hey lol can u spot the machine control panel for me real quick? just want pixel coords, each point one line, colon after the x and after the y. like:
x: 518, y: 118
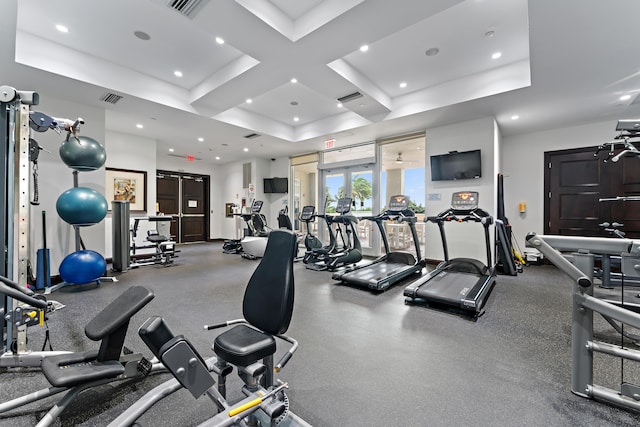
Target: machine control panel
x: 307, y: 212
x: 256, y: 207
x: 398, y: 203
x: 344, y: 205
x: 464, y: 200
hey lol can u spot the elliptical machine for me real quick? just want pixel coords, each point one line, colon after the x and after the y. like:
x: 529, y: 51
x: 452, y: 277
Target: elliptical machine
x: 344, y: 247
x: 308, y: 215
x: 351, y: 250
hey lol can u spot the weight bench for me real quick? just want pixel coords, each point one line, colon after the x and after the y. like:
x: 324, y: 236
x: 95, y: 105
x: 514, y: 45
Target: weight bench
x: 76, y: 372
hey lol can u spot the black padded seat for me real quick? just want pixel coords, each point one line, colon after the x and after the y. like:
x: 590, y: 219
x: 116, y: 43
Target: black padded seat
x: 242, y: 345
x: 156, y: 238
x: 69, y: 370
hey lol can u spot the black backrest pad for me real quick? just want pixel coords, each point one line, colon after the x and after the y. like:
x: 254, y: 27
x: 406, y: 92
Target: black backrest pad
x: 268, y: 298
x: 155, y: 333
x: 118, y: 312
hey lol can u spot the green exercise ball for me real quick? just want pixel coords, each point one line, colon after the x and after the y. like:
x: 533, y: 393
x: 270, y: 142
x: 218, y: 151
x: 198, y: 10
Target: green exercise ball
x: 81, y: 206
x: 83, y: 154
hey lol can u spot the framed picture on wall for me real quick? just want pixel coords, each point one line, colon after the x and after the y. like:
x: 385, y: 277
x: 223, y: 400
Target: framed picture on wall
x: 128, y: 185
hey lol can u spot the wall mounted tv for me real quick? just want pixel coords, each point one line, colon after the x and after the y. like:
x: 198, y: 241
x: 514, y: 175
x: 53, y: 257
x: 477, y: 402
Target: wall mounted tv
x: 456, y: 165
x: 276, y: 185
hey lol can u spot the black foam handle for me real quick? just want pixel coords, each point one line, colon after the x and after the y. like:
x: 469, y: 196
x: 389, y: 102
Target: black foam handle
x: 13, y: 290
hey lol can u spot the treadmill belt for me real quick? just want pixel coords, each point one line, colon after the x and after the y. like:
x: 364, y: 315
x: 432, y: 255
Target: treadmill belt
x: 374, y: 273
x: 449, y: 287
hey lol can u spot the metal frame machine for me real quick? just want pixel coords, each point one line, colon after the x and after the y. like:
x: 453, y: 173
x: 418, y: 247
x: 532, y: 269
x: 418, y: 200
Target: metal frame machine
x: 461, y: 283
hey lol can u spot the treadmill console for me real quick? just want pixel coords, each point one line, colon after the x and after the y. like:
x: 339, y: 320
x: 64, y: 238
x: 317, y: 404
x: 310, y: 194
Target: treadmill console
x: 398, y: 203
x: 307, y: 213
x: 344, y: 205
x: 464, y: 200
x: 257, y: 206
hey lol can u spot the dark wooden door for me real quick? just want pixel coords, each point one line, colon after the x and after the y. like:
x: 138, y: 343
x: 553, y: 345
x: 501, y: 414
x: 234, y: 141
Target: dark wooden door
x: 576, y: 181
x: 194, y: 209
x: 168, y: 198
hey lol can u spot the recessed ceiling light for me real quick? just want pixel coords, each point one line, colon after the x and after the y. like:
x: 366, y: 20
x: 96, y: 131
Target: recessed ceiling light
x: 339, y: 104
x: 496, y: 55
x: 171, y: 150
x: 249, y: 100
x: 245, y: 150
x: 295, y: 119
x: 625, y: 97
x: 62, y: 28
x: 403, y: 85
x: 490, y: 33
x: 364, y: 48
x: 139, y: 126
x: 177, y: 73
x: 432, y: 52
x: 142, y: 35
x: 294, y: 103
x: 217, y: 157
x: 219, y: 40
x: 515, y: 117
x: 294, y: 80
x: 201, y: 139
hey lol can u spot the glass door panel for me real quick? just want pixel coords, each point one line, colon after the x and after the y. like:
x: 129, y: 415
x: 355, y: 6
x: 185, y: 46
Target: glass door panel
x: 355, y: 182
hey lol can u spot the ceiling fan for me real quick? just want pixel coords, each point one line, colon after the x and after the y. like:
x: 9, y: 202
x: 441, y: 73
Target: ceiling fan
x: 400, y: 160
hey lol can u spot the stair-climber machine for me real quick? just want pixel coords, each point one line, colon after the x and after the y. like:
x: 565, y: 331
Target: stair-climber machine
x: 462, y: 284
x: 391, y: 267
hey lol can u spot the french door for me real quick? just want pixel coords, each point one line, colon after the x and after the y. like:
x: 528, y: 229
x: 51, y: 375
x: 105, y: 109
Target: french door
x: 185, y: 198
x: 356, y: 182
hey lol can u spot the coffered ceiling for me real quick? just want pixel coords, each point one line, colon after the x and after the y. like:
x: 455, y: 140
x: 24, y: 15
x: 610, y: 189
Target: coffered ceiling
x: 290, y: 74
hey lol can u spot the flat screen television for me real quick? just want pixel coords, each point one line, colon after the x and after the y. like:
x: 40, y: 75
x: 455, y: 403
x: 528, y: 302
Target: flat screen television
x: 276, y: 185
x: 456, y: 165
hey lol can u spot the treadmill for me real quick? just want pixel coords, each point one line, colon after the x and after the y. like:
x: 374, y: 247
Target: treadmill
x: 463, y: 284
x: 391, y: 267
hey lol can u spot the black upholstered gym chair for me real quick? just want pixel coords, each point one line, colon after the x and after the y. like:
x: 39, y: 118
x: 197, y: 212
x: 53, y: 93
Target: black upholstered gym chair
x: 250, y: 346
x: 76, y: 372
x: 267, y: 308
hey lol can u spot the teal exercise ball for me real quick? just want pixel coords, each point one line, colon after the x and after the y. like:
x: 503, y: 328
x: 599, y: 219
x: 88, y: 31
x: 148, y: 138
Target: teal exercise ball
x: 81, y: 206
x: 82, y: 153
x: 82, y: 267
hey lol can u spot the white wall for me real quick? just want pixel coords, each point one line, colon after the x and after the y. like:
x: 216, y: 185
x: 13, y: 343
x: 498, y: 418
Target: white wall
x: 55, y: 177
x: 523, y: 168
x: 464, y: 240
x: 125, y: 151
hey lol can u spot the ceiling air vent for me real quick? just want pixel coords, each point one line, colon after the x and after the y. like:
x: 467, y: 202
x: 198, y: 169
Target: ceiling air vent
x: 188, y: 8
x: 350, y: 97
x: 252, y: 135
x: 111, y: 98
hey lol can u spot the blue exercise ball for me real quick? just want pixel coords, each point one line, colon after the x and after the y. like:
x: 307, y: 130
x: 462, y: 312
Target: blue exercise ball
x: 81, y: 206
x: 82, y: 267
x: 83, y: 153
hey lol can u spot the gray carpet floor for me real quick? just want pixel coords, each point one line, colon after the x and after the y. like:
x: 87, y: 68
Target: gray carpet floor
x: 365, y: 359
